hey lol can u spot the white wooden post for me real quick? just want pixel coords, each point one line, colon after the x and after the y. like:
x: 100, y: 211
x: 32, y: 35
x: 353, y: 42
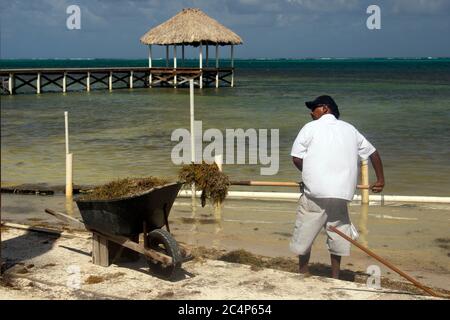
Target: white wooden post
x: 200, y: 57
x: 365, y: 181
x: 88, y: 82
x: 110, y: 81
x: 150, y: 65
x: 167, y: 56
x: 38, y: 83
x: 11, y: 83
x: 232, y: 65
x: 207, y: 55
x: 217, y: 65
x: 66, y: 124
x: 175, y: 65
x: 192, y: 117
x: 131, y: 79
x: 64, y: 82
x: 69, y: 175
x: 69, y: 159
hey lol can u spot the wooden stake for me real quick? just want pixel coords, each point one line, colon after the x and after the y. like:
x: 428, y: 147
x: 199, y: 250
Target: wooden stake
x: 365, y: 181
x: 66, y: 124
x: 69, y: 173
x: 385, y: 262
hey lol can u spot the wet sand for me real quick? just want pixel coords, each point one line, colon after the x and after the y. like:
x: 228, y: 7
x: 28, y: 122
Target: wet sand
x: 404, y: 234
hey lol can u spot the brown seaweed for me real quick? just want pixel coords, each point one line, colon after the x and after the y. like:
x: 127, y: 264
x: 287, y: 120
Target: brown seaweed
x: 213, y: 183
x: 123, y: 188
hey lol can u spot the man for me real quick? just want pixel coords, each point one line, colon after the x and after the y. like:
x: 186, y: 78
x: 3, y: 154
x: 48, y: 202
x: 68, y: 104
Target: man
x: 327, y: 151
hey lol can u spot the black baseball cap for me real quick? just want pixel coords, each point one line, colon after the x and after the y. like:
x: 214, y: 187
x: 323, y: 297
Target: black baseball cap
x: 324, y: 100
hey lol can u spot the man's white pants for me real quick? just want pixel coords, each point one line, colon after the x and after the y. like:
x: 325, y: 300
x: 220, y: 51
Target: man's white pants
x: 313, y: 214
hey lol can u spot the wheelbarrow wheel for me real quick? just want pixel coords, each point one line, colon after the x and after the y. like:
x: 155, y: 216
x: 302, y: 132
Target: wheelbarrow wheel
x: 162, y: 241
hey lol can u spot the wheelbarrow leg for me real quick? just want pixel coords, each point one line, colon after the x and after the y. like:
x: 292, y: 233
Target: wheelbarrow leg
x: 100, y: 252
x: 105, y: 252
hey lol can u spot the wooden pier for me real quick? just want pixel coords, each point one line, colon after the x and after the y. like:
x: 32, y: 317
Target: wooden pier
x: 87, y: 79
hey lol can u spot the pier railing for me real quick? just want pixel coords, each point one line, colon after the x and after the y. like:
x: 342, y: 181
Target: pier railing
x: 86, y: 79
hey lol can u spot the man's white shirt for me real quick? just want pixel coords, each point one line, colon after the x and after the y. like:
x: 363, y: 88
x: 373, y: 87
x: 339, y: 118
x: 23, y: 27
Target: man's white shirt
x: 330, y: 149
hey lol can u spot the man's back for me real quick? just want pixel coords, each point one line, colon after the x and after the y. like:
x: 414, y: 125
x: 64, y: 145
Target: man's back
x: 330, y: 149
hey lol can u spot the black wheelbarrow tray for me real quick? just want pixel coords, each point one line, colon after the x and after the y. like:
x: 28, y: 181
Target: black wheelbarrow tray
x: 117, y: 223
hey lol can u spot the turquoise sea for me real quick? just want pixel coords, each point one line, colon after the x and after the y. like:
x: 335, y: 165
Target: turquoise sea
x: 401, y: 105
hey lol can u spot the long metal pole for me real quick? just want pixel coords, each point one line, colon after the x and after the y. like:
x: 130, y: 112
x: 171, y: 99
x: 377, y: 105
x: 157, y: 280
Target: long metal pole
x: 192, y: 118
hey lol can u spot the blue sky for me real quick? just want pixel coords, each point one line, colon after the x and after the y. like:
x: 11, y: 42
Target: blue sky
x: 269, y: 28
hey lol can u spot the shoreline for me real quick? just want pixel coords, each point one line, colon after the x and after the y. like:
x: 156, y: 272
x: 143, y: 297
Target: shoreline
x: 44, y: 189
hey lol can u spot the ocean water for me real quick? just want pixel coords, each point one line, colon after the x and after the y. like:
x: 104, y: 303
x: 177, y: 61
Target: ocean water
x: 401, y: 105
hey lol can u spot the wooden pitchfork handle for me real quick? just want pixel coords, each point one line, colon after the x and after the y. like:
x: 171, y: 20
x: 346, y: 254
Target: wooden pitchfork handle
x: 277, y: 184
x: 386, y: 263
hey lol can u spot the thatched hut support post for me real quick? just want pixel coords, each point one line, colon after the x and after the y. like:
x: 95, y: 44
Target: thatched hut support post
x: 207, y: 55
x: 11, y: 83
x: 131, y: 79
x: 38, y: 83
x: 217, y: 65
x: 110, y: 81
x: 175, y: 65
x: 88, y: 82
x: 64, y: 86
x: 200, y: 58
x: 182, y: 53
x: 150, y: 65
x: 149, y: 55
x: 232, y: 65
x: 167, y: 55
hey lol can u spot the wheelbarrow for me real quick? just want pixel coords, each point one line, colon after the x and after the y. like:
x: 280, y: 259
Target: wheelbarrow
x: 116, y: 225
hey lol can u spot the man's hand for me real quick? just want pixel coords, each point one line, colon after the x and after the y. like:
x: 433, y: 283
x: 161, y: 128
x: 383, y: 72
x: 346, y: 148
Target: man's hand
x: 377, y: 187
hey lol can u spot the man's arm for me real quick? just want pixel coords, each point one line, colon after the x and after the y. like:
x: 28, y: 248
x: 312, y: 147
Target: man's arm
x: 378, y: 168
x: 298, y: 163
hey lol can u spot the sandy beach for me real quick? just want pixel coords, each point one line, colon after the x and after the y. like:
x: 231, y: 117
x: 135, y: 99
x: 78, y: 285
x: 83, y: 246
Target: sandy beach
x: 44, y: 269
x: 248, y: 255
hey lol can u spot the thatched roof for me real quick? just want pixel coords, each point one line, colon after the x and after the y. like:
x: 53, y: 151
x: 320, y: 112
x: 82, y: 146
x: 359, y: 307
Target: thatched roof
x: 191, y: 26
